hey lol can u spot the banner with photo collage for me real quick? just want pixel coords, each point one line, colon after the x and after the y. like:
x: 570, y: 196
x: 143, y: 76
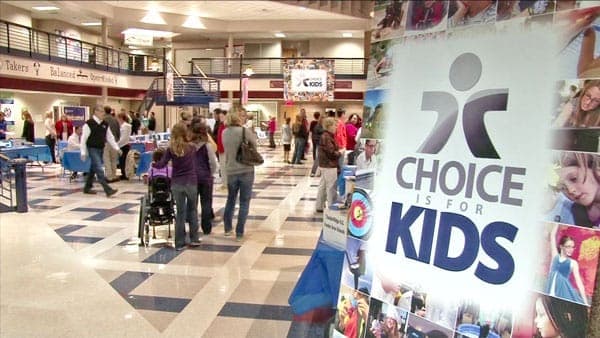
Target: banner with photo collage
x: 308, y: 80
x: 483, y: 216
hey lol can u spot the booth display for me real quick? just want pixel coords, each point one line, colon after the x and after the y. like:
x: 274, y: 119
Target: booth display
x: 482, y: 216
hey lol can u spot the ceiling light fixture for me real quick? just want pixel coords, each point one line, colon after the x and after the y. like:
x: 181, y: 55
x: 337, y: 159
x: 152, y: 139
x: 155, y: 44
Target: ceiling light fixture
x: 347, y: 35
x: 45, y: 8
x: 156, y: 34
x: 194, y: 22
x: 154, y: 18
x: 96, y: 23
x: 279, y: 35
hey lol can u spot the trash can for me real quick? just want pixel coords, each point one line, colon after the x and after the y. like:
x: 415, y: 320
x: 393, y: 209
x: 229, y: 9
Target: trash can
x: 20, y: 167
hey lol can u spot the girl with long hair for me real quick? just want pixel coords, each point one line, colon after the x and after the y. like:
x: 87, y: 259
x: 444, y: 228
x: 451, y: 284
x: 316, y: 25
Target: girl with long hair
x: 561, y: 268
x: 583, y: 110
x: 557, y: 318
x: 28, y: 126
x: 206, y: 165
x: 184, y: 183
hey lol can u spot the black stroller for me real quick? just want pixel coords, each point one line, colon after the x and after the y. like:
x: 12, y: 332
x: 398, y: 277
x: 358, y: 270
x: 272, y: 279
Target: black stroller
x: 157, y: 208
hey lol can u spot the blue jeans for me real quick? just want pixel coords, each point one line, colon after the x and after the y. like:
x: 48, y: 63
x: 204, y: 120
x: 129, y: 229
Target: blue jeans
x: 96, y: 169
x: 316, y: 143
x: 242, y: 183
x: 186, y: 201
x: 298, y: 150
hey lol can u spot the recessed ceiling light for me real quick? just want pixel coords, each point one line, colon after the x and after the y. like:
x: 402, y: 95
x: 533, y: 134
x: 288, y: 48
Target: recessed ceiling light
x: 46, y: 8
x: 156, y: 34
x: 97, y: 23
x: 153, y: 17
x: 279, y: 35
x: 347, y: 35
x: 193, y: 22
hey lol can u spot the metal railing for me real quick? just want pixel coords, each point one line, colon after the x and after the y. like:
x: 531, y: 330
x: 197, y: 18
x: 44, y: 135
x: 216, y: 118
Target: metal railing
x: 23, y: 41
x: 185, y: 88
x: 230, y: 67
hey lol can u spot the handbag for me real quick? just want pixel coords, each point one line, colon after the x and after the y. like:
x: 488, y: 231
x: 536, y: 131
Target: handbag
x: 247, y: 153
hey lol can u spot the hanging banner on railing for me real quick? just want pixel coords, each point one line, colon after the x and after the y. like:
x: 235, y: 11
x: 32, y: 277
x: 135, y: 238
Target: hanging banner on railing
x: 308, y: 80
x: 483, y: 220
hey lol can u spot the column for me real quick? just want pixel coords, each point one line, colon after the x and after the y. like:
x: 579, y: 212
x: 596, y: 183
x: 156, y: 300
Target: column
x: 104, y: 44
x: 230, y: 65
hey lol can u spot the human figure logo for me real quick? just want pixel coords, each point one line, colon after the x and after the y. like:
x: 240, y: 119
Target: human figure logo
x: 465, y: 72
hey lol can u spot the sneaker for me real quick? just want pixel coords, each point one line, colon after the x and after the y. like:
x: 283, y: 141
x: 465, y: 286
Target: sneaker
x: 196, y: 242
x: 181, y: 248
x: 239, y: 238
x: 112, y: 192
x: 312, y: 175
x: 90, y: 192
x: 228, y: 233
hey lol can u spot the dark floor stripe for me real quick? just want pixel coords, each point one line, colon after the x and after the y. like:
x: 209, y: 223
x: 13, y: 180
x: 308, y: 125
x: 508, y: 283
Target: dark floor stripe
x: 128, y: 281
x: 284, y: 184
x: 81, y: 239
x: 304, y: 219
x: 67, y: 229
x: 308, y: 199
x: 256, y: 311
x: 257, y: 217
x: 288, y: 251
x: 82, y: 209
x: 166, y: 304
x: 162, y: 256
x: 44, y: 207
x: 217, y: 247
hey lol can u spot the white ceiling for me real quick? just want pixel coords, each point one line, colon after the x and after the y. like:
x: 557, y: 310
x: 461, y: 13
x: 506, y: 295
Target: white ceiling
x: 239, y: 19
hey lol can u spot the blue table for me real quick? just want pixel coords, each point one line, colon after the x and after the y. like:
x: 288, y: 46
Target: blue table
x: 319, y: 284
x: 40, y: 153
x: 72, y: 162
x: 144, y: 164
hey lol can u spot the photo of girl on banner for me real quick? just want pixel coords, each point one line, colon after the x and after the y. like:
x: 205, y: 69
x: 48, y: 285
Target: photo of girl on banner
x: 569, y: 271
x: 380, y: 63
x: 386, y: 320
x: 579, y: 104
x: 373, y: 114
x: 472, y: 12
x: 389, y: 19
x: 549, y: 317
x: 575, y: 185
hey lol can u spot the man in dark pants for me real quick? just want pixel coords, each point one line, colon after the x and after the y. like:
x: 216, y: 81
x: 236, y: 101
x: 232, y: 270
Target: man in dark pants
x: 95, y: 135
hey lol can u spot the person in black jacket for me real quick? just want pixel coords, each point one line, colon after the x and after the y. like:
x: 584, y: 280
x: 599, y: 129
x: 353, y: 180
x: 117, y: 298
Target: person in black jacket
x: 28, y: 129
x: 96, y: 134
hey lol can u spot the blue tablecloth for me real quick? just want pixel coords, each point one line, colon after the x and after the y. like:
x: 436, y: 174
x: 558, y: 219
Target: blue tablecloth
x: 35, y: 153
x: 72, y: 162
x: 319, y: 284
x: 140, y: 147
x: 144, y: 164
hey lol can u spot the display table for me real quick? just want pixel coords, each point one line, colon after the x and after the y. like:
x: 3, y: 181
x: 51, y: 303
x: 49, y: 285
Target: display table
x: 39, y: 153
x: 72, y: 162
x: 319, y: 284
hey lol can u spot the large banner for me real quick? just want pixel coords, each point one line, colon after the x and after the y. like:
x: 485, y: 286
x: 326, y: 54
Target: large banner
x: 484, y: 216
x: 308, y: 80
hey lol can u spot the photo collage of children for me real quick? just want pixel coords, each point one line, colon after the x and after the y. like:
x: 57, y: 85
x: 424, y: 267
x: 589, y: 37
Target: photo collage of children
x: 301, y: 64
x: 381, y: 304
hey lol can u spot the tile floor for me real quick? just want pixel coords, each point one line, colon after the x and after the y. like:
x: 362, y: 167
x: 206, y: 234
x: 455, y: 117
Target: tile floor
x: 72, y: 266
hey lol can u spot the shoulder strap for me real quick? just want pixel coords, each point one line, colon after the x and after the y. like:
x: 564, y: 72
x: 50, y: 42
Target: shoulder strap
x: 243, y: 134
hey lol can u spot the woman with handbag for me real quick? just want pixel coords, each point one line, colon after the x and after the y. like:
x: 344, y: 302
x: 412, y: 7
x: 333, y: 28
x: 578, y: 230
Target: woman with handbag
x: 240, y: 176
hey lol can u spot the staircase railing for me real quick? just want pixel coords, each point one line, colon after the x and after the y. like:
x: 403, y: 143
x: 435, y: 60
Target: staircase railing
x: 150, y: 96
x: 187, y: 90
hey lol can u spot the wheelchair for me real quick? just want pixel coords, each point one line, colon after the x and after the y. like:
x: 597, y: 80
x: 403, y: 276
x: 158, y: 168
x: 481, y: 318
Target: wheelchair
x: 157, y: 209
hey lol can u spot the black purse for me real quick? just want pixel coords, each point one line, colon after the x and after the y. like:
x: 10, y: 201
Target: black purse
x: 247, y: 153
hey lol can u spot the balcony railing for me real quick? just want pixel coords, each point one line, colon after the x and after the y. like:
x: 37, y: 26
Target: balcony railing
x: 272, y: 67
x: 20, y: 40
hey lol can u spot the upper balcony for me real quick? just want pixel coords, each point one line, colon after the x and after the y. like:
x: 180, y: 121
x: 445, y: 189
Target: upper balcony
x: 23, y: 41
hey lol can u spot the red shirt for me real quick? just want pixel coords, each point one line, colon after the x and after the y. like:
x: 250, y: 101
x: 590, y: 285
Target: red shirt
x: 220, y: 148
x: 340, y: 135
x: 59, y: 128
